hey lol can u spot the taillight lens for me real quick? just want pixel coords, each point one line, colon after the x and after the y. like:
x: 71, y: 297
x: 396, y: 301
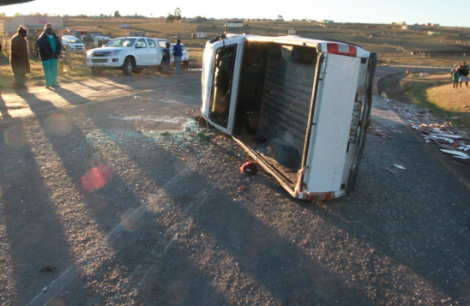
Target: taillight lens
x: 341, y: 49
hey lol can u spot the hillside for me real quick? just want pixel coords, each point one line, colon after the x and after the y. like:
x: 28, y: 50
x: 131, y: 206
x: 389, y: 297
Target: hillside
x: 389, y: 41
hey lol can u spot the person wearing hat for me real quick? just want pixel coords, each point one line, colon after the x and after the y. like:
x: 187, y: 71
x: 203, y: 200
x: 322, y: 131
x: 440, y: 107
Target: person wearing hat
x: 20, y: 57
x: 49, y: 49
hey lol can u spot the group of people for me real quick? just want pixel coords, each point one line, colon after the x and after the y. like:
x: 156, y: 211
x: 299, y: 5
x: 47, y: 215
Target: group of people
x: 460, y: 75
x: 49, y: 50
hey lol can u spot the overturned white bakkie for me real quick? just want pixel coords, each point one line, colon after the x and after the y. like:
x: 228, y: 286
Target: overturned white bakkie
x: 299, y: 106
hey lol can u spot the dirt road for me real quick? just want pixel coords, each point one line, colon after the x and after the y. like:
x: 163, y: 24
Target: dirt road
x: 108, y: 197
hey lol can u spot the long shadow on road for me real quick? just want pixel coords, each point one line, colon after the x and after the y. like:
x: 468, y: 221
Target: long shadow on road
x: 35, y: 234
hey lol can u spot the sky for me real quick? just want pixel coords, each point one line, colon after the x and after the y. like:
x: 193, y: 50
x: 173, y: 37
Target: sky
x: 362, y: 11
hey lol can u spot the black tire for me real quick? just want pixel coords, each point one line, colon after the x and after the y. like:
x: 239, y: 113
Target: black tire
x: 137, y: 70
x: 96, y: 71
x: 161, y: 69
x: 128, y: 66
x: 186, y: 63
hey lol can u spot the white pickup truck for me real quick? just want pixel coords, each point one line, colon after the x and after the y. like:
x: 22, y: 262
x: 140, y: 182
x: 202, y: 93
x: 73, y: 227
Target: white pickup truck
x: 299, y: 106
x: 130, y: 54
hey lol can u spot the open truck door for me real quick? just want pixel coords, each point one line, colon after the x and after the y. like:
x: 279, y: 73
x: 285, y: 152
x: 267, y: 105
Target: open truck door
x: 300, y: 107
x: 220, y: 82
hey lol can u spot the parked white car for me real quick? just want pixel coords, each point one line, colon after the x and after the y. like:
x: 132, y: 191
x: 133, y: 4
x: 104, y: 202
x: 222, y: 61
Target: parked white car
x: 74, y: 43
x: 130, y: 54
x: 185, y: 57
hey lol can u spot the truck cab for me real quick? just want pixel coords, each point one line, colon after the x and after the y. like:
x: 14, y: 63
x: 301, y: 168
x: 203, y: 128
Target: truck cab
x: 299, y: 106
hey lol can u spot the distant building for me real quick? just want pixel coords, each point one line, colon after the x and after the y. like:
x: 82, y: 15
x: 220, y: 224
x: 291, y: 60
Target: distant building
x: 291, y: 32
x: 211, y: 19
x: 432, y: 33
x: 201, y: 34
x: 326, y: 21
x: 435, y: 25
x: 138, y: 34
x: 234, y: 24
x: 34, y: 24
x: 189, y: 20
x: 411, y: 27
x: 399, y: 23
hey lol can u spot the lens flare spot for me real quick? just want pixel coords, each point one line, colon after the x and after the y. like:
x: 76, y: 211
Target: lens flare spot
x: 97, y: 177
x: 58, y: 124
x: 15, y: 136
x: 131, y: 219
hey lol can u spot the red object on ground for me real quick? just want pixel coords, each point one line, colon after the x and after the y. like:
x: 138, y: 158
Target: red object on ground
x: 97, y: 177
x: 249, y: 168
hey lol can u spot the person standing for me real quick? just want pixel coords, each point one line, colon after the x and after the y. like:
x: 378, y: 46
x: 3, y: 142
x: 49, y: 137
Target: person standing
x: 178, y: 53
x: 49, y: 49
x: 166, y: 58
x: 463, y: 70
x: 455, y: 78
x: 20, y: 57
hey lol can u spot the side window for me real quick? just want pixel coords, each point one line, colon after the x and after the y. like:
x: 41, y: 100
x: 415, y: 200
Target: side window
x: 151, y: 43
x: 141, y: 43
x: 162, y: 43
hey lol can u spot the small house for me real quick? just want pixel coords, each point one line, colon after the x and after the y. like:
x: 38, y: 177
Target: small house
x: 201, y: 34
x: 291, y: 32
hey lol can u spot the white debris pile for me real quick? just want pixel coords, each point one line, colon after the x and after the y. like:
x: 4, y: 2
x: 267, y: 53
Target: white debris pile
x: 442, y: 134
x: 446, y: 139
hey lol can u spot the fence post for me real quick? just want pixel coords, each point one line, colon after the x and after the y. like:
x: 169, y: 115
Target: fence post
x: 69, y: 56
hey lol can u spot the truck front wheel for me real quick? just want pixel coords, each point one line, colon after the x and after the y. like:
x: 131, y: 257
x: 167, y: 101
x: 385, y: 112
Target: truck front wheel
x: 128, y: 66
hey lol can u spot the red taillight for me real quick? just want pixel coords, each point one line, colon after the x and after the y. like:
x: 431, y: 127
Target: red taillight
x: 341, y: 49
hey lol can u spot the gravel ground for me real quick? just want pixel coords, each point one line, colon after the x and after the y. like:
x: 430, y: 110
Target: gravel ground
x: 98, y: 207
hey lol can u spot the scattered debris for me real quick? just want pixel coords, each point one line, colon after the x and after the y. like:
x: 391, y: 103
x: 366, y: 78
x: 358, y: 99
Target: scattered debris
x: 242, y: 188
x: 391, y: 171
x: 440, y: 132
x: 249, y: 168
x: 203, y: 136
x: 166, y: 133
x: 399, y: 166
x: 383, y: 134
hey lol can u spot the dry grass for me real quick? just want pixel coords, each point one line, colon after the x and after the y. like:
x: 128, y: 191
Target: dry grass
x: 388, y: 41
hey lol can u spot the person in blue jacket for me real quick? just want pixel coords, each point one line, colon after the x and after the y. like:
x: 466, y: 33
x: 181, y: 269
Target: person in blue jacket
x: 178, y: 53
x: 49, y: 49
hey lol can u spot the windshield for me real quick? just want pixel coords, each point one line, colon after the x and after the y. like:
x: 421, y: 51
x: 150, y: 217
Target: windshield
x: 74, y: 41
x: 121, y: 42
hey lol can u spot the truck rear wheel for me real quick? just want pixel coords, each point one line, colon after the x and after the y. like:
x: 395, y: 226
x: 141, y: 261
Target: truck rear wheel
x: 96, y: 71
x: 128, y: 66
x: 186, y: 63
